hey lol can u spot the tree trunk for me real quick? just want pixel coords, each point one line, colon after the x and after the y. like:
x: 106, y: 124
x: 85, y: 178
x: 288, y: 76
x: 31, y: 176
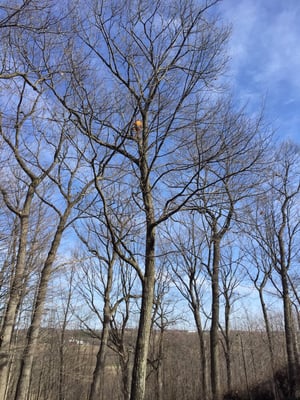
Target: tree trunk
x: 15, y: 294
x: 144, y: 330
x: 98, y: 373
x: 34, y: 329
x: 270, y: 341
x: 62, y: 341
x: 159, y: 371
x: 139, y: 373
x: 228, y: 344
x: 203, y: 360
x: 214, y: 335
x: 125, y: 363
x: 288, y: 323
x: 287, y: 309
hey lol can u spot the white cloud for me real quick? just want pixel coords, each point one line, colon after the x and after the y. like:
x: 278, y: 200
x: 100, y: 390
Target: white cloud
x: 265, y: 39
x: 265, y: 56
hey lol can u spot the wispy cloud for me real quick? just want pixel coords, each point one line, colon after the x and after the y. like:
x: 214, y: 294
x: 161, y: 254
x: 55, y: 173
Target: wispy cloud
x: 265, y: 55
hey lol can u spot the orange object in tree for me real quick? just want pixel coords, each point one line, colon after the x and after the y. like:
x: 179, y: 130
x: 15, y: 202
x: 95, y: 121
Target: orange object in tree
x: 137, y: 125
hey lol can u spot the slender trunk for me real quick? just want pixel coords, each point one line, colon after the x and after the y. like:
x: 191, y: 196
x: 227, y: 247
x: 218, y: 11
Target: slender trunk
x: 214, y: 335
x: 98, y: 373
x: 125, y: 354
x: 61, y: 362
x: 245, y: 367
x: 295, y: 341
x: 139, y: 373
x: 203, y: 361
x: 33, y: 332
x: 125, y: 363
x: 287, y: 309
x: 228, y: 367
x: 228, y: 344
x: 10, y: 259
x: 144, y: 330
x: 270, y: 341
x: 296, y: 323
x: 288, y: 323
x: 15, y: 294
x: 62, y: 342
x: 159, y: 372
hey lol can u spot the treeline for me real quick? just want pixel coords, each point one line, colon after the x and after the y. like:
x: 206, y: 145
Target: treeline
x: 177, y: 370
x: 136, y: 197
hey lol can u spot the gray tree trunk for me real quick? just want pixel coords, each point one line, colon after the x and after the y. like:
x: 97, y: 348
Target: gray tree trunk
x: 142, y: 344
x: 98, y: 373
x: 203, y: 360
x: 269, y: 337
x: 287, y: 309
x: 15, y: 294
x: 214, y: 334
x: 34, y: 329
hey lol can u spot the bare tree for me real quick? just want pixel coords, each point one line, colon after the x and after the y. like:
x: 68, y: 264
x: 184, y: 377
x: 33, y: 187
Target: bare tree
x: 15, y: 135
x: 218, y: 230
x: 157, y: 58
x: 67, y: 292
x: 260, y: 276
x: 187, y: 262
x: 164, y: 316
x: 102, y: 283
x: 276, y: 235
x: 18, y: 111
x: 231, y: 277
x: 122, y: 338
x: 106, y: 281
x: 19, y: 16
x: 73, y: 185
x: 9, y: 238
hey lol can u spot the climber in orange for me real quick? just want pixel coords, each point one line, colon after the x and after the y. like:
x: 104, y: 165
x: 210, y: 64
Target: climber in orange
x: 137, y: 126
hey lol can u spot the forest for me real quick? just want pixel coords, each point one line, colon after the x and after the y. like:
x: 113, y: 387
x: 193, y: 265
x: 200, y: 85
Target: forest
x: 149, y: 223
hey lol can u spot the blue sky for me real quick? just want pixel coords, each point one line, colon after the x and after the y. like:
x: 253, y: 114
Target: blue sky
x: 264, y: 52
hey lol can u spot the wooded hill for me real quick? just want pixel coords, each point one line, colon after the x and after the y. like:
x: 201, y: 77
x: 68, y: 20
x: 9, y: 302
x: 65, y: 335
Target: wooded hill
x: 65, y: 361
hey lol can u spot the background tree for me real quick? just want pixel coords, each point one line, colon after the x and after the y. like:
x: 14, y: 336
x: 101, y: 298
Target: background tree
x: 187, y: 258
x: 277, y: 235
x: 231, y: 278
x: 72, y: 184
x: 260, y: 272
x: 225, y: 182
x: 122, y: 336
x: 33, y: 171
x: 101, y: 280
x: 164, y: 316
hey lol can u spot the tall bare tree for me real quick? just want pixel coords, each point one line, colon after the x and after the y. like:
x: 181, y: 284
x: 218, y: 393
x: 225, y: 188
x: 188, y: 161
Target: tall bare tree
x: 73, y: 182
x: 107, y: 282
x: 187, y: 256
x: 260, y: 276
x: 277, y: 234
x: 158, y: 60
x: 98, y: 286
x: 231, y: 277
x: 15, y: 135
x: 226, y: 181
